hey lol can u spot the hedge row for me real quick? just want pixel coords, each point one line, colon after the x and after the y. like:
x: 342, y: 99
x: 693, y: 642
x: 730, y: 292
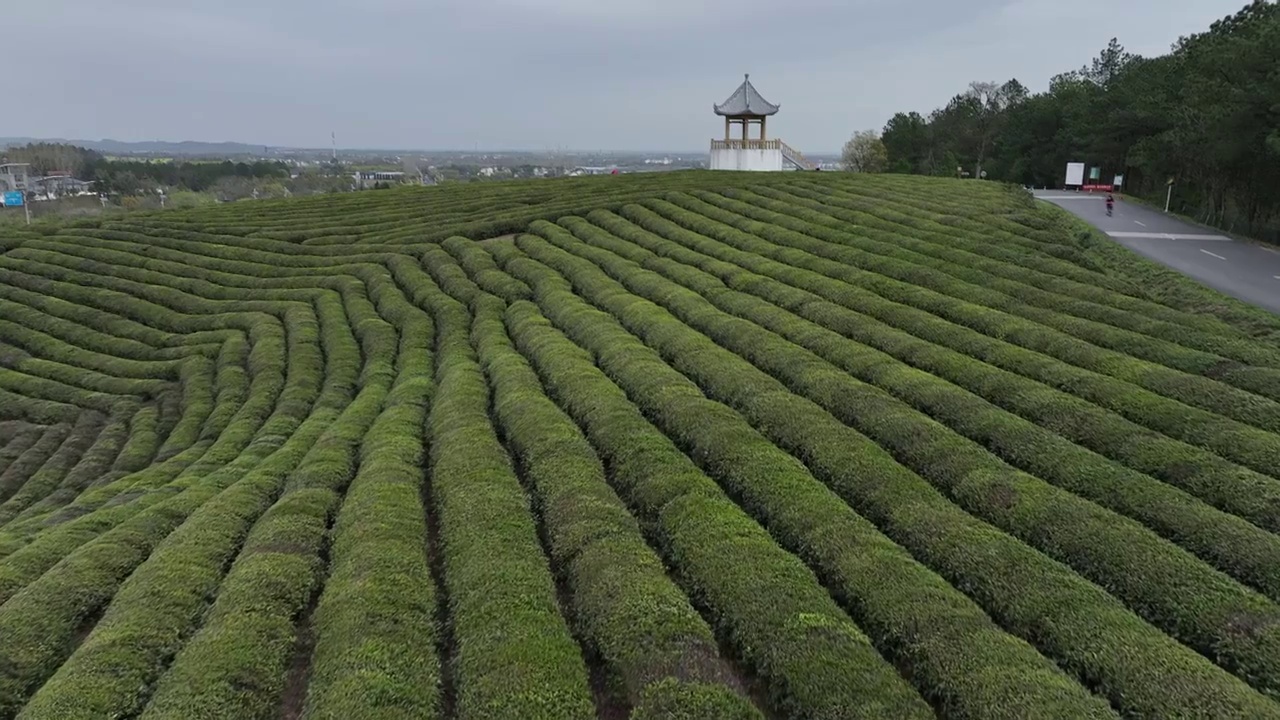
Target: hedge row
x: 1152, y: 576
x: 249, y: 256
x: 38, y: 388
x: 197, y: 377
x: 1023, y: 216
x: 232, y: 381
x: 29, y: 329
x: 9, y: 429
x: 161, y: 603
x: 374, y: 625
x: 69, y: 374
x: 94, y: 466
x: 250, y: 630
x: 18, y: 444
x: 84, y: 326
x: 992, y: 207
x: 43, y: 481
x: 1128, y: 328
x: 1231, y: 544
x: 481, y: 268
x: 169, y: 406
x: 37, y: 410
x: 21, y: 532
x: 91, y: 563
x: 167, y: 309
x: 189, y: 305
x: 1067, y: 273
x: 1138, y: 405
x: 510, y: 208
x: 1061, y: 232
x: 1087, y: 631
x: 765, y: 604
x: 238, y: 414
x: 633, y: 617
x: 143, y: 440
x: 1247, y: 364
x: 948, y: 238
x: 232, y: 391
x: 886, y: 589
x: 1164, y: 284
x: 998, y: 314
x: 32, y: 459
x: 511, y: 652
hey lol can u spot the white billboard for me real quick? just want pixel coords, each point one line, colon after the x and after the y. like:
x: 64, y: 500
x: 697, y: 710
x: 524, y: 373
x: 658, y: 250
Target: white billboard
x: 1075, y: 174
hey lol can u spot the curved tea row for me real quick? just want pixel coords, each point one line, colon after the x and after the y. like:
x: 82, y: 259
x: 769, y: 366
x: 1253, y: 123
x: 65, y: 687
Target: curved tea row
x: 665, y: 446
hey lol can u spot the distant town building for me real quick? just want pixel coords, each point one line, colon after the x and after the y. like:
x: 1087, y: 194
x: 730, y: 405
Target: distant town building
x: 15, y: 176
x: 366, y: 178
x: 60, y: 184
x: 746, y: 107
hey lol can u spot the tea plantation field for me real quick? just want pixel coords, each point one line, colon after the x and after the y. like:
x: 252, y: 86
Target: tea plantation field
x: 684, y: 445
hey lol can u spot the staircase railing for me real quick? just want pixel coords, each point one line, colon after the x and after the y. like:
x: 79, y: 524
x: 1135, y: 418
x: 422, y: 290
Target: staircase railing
x: 794, y: 157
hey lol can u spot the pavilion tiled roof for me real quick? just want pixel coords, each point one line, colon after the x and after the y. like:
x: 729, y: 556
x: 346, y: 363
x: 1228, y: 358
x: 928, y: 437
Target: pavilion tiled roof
x: 746, y: 100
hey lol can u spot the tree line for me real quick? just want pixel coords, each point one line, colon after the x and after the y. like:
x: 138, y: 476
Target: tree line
x: 1205, y: 116
x: 132, y: 177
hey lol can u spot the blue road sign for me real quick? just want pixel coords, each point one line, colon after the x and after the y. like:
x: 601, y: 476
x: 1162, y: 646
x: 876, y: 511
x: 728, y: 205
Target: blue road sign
x: 13, y: 199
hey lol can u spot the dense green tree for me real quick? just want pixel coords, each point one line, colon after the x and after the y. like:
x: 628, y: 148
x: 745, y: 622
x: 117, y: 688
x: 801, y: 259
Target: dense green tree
x: 907, y: 142
x: 1206, y: 115
x: 47, y: 158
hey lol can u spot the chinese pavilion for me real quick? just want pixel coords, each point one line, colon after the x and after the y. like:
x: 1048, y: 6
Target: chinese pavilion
x: 746, y: 107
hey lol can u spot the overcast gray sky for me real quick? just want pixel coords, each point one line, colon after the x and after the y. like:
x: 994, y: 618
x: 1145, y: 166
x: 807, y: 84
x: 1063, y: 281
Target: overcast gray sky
x: 579, y: 74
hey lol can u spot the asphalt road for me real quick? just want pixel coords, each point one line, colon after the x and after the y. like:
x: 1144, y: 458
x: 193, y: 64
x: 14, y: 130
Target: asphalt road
x: 1243, y: 270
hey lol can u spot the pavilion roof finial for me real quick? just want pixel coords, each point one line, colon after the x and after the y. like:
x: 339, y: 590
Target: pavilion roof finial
x: 746, y: 101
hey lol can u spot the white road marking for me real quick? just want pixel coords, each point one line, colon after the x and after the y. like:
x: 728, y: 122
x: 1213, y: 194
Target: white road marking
x: 1206, y: 252
x: 1273, y: 251
x: 1168, y: 236
x: 1140, y: 223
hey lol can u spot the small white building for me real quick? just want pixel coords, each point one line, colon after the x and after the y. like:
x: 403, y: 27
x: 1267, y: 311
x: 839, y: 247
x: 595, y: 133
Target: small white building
x: 746, y: 107
x: 364, y: 178
x: 15, y: 176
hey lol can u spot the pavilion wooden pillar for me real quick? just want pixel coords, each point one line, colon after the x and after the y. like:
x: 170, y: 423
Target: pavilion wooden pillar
x: 745, y: 124
x: 726, y: 129
x: 763, y: 120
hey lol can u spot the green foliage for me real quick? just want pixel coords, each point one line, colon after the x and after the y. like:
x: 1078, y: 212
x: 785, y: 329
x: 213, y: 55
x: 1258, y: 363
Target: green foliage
x: 515, y: 654
x: 867, y: 477
x: 764, y: 601
x: 684, y: 445
x: 128, y: 177
x: 1204, y: 114
x: 865, y: 152
x: 186, y: 199
x: 375, y: 623
x: 633, y: 616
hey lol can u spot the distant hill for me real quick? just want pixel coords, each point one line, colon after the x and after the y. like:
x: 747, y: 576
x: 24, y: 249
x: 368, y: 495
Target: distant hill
x: 150, y: 147
x: 190, y: 148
